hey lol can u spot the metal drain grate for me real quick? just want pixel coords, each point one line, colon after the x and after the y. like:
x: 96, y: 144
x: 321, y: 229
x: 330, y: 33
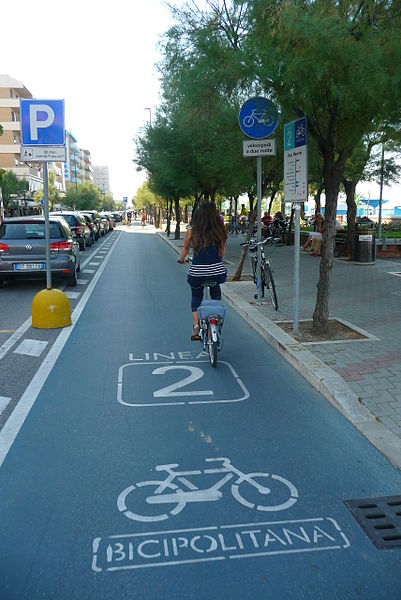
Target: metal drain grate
x: 380, y: 518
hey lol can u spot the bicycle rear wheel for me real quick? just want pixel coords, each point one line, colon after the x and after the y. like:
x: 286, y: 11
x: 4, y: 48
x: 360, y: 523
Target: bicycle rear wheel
x: 212, y: 348
x: 268, y: 281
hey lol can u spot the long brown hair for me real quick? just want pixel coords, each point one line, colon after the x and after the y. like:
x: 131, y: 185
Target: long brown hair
x: 208, y: 229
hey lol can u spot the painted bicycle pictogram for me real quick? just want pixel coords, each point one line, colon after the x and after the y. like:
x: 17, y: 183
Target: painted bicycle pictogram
x: 260, y: 116
x: 253, y: 490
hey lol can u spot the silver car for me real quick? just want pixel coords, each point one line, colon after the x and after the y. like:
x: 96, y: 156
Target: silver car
x: 23, y: 249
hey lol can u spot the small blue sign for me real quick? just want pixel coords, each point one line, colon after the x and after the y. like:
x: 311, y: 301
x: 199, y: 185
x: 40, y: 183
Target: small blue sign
x: 258, y: 117
x: 42, y: 122
x: 295, y: 134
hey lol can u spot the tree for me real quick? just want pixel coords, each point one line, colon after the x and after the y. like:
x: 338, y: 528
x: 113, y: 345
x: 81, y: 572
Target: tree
x: 52, y: 192
x: 11, y: 186
x: 86, y: 197
x: 309, y: 55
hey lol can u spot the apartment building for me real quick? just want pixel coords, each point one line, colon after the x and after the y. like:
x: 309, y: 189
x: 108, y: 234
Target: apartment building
x: 11, y: 91
x: 86, y: 166
x: 101, y: 178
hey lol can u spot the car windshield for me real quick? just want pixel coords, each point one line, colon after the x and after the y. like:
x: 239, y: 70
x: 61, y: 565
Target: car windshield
x: 27, y: 231
x: 70, y: 220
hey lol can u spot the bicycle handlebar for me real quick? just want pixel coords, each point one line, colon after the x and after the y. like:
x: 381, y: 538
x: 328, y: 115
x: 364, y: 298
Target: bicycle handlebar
x: 254, y: 243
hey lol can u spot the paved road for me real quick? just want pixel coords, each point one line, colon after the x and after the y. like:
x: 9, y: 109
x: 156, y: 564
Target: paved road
x: 80, y: 494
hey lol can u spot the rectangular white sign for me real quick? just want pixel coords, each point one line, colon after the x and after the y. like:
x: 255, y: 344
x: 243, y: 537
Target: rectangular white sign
x: 296, y: 174
x: 258, y: 148
x: 43, y: 153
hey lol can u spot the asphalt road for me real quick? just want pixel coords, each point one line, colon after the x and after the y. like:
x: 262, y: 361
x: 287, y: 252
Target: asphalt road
x: 142, y: 473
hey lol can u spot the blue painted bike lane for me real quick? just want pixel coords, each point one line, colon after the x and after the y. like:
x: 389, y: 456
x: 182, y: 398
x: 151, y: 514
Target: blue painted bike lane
x: 141, y: 472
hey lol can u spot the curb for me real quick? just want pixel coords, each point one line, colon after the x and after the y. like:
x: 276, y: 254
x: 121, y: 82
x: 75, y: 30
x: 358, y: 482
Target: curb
x: 324, y: 379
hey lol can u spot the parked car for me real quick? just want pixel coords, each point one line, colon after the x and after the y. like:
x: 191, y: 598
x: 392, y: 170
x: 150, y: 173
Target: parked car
x: 78, y: 226
x: 106, y: 224
x: 117, y: 217
x: 23, y: 249
x: 110, y: 220
x: 96, y: 219
x: 92, y: 226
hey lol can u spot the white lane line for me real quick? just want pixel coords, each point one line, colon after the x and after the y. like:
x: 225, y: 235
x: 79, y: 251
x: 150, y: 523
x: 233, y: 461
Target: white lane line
x: 3, y: 403
x: 94, y: 264
x: 88, y: 271
x: 31, y: 347
x: 13, y: 339
x: 83, y: 281
x: 17, y: 418
x: 72, y: 295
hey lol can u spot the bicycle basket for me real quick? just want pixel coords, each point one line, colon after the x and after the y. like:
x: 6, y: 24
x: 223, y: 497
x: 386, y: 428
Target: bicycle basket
x: 211, y: 308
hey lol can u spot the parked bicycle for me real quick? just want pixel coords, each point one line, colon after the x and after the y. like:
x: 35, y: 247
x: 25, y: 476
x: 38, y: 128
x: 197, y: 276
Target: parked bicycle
x: 234, y: 226
x: 267, y: 280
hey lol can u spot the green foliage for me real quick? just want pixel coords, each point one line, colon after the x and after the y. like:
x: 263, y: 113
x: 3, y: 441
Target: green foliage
x: 86, y: 197
x: 11, y: 186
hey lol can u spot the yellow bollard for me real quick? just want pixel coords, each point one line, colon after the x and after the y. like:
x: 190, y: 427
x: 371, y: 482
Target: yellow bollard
x: 51, y: 309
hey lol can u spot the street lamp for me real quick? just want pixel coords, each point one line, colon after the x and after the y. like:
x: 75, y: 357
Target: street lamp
x: 150, y: 115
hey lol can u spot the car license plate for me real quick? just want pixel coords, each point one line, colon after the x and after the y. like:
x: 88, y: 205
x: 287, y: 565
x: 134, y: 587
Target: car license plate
x: 29, y: 266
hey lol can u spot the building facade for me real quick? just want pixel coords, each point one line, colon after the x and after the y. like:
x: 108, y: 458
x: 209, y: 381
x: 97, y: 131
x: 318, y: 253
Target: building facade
x: 11, y: 91
x: 101, y: 179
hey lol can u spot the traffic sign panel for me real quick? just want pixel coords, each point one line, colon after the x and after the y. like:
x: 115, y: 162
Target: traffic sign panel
x: 43, y: 154
x: 42, y: 122
x: 296, y: 161
x: 259, y: 148
x: 258, y: 117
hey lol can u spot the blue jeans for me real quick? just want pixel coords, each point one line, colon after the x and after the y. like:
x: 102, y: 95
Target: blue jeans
x: 197, y: 289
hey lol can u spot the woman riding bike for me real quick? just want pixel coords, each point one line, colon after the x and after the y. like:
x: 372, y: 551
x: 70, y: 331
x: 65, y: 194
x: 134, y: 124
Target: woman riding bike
x: 208, y: 238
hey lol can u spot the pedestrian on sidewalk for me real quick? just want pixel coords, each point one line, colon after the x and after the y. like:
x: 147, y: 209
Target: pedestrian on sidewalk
x: 208, y: 239
x: 315, y: 237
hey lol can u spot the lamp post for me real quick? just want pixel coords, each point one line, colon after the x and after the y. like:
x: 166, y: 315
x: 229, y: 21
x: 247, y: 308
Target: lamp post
x: 150, y: 115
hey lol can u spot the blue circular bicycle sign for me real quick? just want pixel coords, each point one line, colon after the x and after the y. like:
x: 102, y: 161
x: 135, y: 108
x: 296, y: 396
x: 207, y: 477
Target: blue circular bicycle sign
x: 258, y: 117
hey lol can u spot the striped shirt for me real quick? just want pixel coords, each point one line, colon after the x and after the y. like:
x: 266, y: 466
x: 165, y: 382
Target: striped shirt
x: 207, y: 263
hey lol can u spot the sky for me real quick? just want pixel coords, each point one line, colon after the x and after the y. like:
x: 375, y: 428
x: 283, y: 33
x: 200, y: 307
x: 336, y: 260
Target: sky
x: 100, y: 58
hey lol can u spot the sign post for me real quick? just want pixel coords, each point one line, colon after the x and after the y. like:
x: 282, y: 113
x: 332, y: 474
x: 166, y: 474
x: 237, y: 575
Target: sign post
x: 258, y: 119
x: 296, y: 190
x: 43, y: 140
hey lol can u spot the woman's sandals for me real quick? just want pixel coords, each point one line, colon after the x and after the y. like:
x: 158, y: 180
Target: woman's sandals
x: 195, y: 333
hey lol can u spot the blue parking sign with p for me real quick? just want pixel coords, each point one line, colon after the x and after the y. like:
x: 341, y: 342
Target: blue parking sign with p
x: 42, y: 122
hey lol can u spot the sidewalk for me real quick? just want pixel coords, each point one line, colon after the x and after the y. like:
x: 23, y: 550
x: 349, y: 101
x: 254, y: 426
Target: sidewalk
x: 362, y: 378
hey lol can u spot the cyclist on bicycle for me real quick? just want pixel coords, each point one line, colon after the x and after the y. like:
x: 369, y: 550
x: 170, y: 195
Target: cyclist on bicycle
x: 208, y: 238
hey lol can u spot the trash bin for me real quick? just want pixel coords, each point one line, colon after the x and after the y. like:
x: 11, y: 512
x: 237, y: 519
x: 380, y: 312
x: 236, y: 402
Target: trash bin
x: 364, y: 241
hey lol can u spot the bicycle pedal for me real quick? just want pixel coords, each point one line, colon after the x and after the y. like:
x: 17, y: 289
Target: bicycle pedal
x: 255, y: 296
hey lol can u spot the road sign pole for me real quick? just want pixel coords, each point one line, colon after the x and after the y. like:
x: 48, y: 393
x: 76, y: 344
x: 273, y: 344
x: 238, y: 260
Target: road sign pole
x: 297, y: 251
x: 259, y: 234
x: 47, y: 227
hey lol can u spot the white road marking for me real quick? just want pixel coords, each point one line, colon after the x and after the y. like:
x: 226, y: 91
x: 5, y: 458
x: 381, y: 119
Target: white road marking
x: 83, y: 281
x: 15, y: 337
x: 3, y: 403
x: 31, y: 347
x: 17, y: 418
x: 72, y: 295
x: 88, y: 271
x: 94, y: 264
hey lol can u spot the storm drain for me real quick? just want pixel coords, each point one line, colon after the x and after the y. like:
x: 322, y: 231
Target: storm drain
x: 380, y: 518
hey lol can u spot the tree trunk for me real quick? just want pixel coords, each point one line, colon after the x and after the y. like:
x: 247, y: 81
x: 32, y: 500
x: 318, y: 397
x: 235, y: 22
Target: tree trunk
x: 238, y: 272
x: 178, y: 217
x: 332, y: 173
x: 318, y: 195
x: 350, y: 187
x: 169, y: 210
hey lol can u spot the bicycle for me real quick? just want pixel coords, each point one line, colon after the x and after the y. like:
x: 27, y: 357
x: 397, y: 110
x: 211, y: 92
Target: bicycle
x: 245, y: 489
x: 267, y: 280
x: 234, y: 227
x: 211, y: 318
